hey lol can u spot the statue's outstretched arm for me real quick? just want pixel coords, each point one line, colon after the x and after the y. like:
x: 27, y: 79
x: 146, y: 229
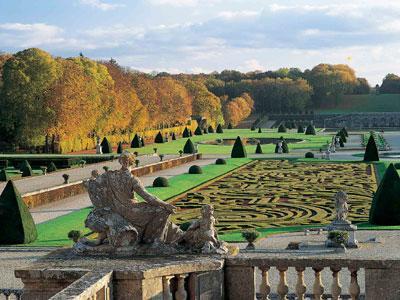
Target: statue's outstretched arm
x: 149, y: 198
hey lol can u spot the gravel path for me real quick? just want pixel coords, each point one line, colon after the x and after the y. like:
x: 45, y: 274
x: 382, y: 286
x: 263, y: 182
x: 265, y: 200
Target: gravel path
x: 36, y: 183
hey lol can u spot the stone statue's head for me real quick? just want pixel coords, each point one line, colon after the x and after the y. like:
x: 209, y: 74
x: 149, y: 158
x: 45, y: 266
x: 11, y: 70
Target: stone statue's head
x: 341, y: 197
x: 126, y: 159
x: 207, y: 210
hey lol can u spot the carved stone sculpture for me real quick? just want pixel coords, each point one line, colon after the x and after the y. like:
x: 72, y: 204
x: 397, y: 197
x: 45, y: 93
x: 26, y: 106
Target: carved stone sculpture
x: 341, y: 206
x: 123, y: 224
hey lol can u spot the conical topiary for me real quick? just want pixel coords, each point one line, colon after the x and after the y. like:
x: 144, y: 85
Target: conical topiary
x: 253, y: 128
x: 210, y: 129
x: 120, y: 148
x: 230, y: 126
x: 26, y: 169
x: 259, y: 130
x: 371, y: 151
x: 106, y: 146
x: 198, y: 131
x: 4, y: 175
x: 51, y: 167
x: 341, y: 142
x: 186, y: 133
x: 16, y: 222
x: 342, y: 135
x: 259, y: 149
x: 190, y: 132
x: 159, y: 138
x: 219, y: 129
x: 189, y: 147
x: 136, y: 142
x: 282, y: 128
x: 385, y: 208
x: 205, y: 131
x: 173, y: 136
x: 310, y: 130
x: 300, y: 129
x: 285, y: 147
x: 345, y: 132
x: 238, y: 150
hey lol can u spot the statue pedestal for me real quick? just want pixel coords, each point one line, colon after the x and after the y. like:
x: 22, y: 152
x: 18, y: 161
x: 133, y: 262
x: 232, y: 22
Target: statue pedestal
x: 342, y: 225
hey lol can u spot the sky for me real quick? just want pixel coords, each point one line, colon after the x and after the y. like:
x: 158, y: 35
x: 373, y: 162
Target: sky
x: 195, y: 36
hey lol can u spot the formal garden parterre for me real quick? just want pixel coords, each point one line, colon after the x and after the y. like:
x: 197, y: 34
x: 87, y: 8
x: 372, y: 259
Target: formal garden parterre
x: 279, y: 193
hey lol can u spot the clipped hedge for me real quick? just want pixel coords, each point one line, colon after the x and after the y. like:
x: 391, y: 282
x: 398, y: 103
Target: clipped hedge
x: 136, y: 142
x: 186, y: 133
x: 230, y: 126
x: 210, y: 129
x: 106, y: 146
x: 198, y: 131
x: 310, y: 130
x: 309, y: 155
x: 26, y: 169
x: 159, y: 138
x: 120, y: 149
x: 259, y: 149
x: 219, y: 129
x: 371, y: 151
x: 385, y: 207
x: 189, y: 147
x: 238, y: 149
x: 160, y: 182
x: 195, y: 169
x: 16, y: 222
x: 259, y: 130
x: 173, y: 136
x: 220, y: 161
x: 300, y: 129
x: 4, y: 175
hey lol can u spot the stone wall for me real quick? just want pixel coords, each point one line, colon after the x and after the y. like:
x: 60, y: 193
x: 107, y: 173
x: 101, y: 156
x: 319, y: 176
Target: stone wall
x: 64, y: 191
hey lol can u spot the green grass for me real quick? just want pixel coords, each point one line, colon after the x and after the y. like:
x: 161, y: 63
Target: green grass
x: 309, y: 142
x: 54, y: 232
x: 365, y: 103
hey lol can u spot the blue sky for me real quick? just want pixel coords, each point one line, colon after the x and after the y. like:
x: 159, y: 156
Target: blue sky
x: 207, y: 35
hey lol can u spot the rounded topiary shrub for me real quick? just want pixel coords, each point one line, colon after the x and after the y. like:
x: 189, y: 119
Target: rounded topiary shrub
x: 309, y: 155
x: 159, y: 138
x: 282, y: 128
x: 210, y: 129
x: 160, y: 182
x: 310, y: 130
x: 220, y: 161
x: 195, y: 169
x: 189, y: 147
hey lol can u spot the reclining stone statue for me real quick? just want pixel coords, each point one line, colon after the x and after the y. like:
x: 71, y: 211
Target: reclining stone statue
x: 122, y: 222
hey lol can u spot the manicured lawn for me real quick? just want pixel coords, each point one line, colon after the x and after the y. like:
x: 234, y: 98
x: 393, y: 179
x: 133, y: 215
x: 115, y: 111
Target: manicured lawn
x: 309, y: 142
x: 366, y: 103
x: 54, y: 232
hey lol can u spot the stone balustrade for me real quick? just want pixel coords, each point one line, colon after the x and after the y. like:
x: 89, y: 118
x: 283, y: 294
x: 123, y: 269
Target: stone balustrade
x: 11, y: 293
x: 240, y: 277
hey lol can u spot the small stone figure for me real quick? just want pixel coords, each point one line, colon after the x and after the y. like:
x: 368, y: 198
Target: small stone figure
x: 341, y: 206
x: 201, y: 234
x: 280, y: 149
x: 99, y: 149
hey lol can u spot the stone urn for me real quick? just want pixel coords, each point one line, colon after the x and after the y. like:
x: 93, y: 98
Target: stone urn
x: 250, y: 236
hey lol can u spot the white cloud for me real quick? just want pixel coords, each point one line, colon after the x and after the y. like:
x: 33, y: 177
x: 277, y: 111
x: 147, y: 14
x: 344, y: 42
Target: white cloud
x: 104, y: 6
x: 184, y: 2
x: 238, y: 14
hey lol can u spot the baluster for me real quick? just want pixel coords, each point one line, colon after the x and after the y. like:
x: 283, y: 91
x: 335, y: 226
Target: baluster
x: 265, y: 287
x: 7, y: 293
x: 283, y: 288
x: 336, y: 287
x: 318, y: 288
x: 180, y: 293
x: 354, y: 288
x: 167, y: 295
x: 300, y: 285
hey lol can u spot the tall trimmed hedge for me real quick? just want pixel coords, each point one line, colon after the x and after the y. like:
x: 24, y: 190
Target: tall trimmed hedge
x: 159, y: 138
x: 136, y: 142
x: 259, y: 149
x: 189, y: 147
x: 26, y: 169
x: 198, y: 131
x: 385, y: 207
x: 282, y: 128
x: 219, y: 129
x: 210, y: 129
x: 106, y: 146
x: 238, y: 149
x: 186, y: 133
x: 371, y: 151
x: 120, y: 148
x: 16, y: 222
x: 310, y: 130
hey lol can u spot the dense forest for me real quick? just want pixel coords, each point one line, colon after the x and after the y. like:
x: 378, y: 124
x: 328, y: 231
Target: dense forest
x: 77, y: 98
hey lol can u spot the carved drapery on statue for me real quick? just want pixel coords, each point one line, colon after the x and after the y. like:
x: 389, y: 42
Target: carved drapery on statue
x: 124, y: 224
